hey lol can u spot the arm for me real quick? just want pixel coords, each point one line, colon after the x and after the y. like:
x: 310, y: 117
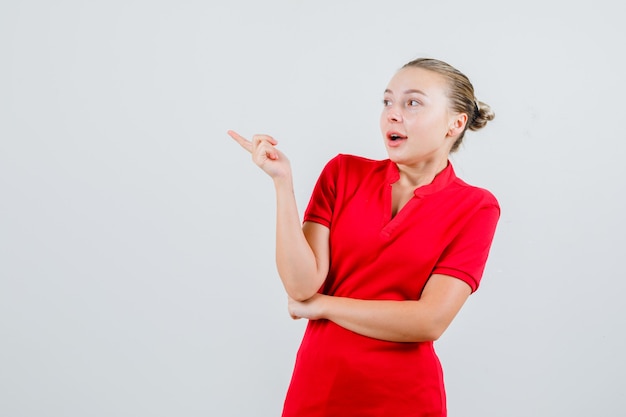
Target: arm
x: 396, y: 321
x: 302, y: 254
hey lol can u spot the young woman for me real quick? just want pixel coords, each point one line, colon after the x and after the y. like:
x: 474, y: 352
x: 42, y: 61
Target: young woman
x: 388, y: 253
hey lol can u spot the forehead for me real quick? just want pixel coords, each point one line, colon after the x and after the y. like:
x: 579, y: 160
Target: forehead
x: 412, y: 78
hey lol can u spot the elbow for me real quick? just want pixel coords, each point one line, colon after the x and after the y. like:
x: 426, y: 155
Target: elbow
x: 300, y: 294
x: 302, y: 291
x: 436, y: 330
x: 424, y: 335
x: 432, y: 331
x: 435, y: 334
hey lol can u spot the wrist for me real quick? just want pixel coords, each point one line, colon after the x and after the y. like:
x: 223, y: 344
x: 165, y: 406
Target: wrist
x: 324, y: 303
x: 283, y: 182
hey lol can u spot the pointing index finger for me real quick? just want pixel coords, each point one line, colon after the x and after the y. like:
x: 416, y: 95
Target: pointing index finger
x: 245, y: 143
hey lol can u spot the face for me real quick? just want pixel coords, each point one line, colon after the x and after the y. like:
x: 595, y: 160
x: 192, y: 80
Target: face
x: 416, y: 122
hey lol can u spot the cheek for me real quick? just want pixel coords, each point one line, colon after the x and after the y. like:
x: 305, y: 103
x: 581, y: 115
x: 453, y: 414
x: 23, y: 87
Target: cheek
x: 421, y: 121
x: 383, y: 119
x: 413, y: 124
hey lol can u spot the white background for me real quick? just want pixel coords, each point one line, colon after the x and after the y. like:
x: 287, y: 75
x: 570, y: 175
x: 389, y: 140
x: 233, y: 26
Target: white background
x: 137, y: 275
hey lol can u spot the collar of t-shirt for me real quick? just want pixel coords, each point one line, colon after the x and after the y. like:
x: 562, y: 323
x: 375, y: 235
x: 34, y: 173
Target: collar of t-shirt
x: 441, y: 180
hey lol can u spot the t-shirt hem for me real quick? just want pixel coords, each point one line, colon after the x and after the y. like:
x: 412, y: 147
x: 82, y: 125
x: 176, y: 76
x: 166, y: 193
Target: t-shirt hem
x: 316, y: 219
x: 455, y: 273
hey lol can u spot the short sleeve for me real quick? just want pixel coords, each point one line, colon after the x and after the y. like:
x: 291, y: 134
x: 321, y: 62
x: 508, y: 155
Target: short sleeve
x: 465, y: 257
x: 324, y: 196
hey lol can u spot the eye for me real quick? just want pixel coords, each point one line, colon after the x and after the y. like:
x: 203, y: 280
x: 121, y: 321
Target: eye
x: 386, y: 102
x: 413, y: 103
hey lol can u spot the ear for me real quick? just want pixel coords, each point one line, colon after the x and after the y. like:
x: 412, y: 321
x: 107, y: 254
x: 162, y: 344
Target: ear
x: 457, y: 124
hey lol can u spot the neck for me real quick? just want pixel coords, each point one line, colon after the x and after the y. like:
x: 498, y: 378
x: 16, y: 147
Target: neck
x: 421, y: 174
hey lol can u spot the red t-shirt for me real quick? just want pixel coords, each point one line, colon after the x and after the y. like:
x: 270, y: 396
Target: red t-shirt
x: 447, y: 228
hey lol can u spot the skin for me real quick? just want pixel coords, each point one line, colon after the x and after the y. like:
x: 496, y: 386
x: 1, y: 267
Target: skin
x: 416, y: 108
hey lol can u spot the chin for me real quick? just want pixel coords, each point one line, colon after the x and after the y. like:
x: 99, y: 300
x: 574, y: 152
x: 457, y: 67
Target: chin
x: 394, y: 155
x: 398, y: 160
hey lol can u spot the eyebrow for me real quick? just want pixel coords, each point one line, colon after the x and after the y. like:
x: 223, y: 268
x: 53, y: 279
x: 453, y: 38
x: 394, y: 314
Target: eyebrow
x: 409, y: 91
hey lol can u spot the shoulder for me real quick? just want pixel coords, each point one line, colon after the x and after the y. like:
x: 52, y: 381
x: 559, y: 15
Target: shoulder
x: 474, y: 195
x: 355, y: 165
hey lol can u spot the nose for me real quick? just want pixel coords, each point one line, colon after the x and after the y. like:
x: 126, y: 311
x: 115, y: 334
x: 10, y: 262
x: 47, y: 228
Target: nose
x: 394, y: 114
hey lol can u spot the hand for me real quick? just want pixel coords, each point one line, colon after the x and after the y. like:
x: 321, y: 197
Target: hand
x: 309, y: 309
x: 264, y: 154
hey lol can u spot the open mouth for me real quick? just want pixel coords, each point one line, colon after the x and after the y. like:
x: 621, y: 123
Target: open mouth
x: 393, y: 136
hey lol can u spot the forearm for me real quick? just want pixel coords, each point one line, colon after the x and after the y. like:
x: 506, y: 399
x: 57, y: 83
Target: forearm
x: 394, y: 321
x: 299, y: 270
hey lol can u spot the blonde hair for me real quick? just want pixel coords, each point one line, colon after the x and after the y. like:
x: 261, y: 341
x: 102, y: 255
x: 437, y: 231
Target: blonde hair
x: 461, y: 95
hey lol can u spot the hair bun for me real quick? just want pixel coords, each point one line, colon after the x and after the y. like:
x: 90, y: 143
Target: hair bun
x: 483, y: 114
